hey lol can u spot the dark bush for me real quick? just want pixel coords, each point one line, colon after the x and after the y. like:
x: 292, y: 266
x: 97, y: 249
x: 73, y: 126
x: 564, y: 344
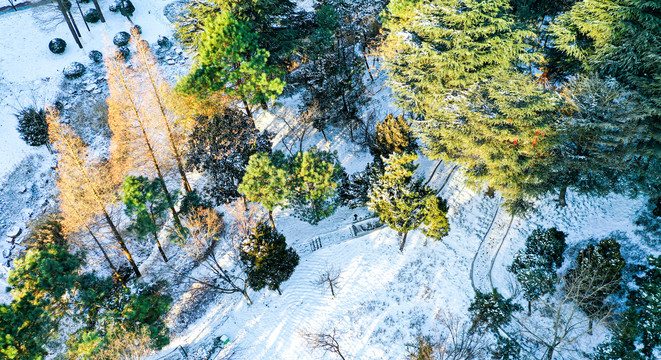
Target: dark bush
x: 57, y: 46
x: 126, y: 8
x: 123, y: 53
x: 96, y: 56
x: 121, y: 38
x: 164, y: 42
x: 92, y: 16
x: 32, y: 126
x: 74, y: 70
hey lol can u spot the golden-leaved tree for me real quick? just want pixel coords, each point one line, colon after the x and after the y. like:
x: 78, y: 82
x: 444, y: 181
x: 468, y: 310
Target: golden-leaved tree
x: 85, y: 185
x: 139, y: 144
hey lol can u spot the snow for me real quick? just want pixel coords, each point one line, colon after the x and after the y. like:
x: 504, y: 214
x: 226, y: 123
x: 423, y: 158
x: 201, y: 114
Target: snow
x: 384, y: 298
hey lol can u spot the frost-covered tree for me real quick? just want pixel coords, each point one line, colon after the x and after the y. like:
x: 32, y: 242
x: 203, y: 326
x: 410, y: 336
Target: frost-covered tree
x: 145, y: 206
x: 267, y: 259
x: 32, y: 126
x: 596, y: 275
x: 535, y: 266
x: 597, y: 138
x: 265, y: 181
x: 491, y: 311
x: 220, y: 146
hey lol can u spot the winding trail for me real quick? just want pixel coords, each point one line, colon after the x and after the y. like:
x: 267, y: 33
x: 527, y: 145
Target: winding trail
x: 487, y: 252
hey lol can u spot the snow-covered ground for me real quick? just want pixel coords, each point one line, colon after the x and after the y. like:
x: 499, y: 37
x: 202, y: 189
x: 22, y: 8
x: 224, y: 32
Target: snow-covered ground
x: 384, y: 298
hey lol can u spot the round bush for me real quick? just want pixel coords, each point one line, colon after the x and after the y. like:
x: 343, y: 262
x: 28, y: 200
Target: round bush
x: 114, y: 7
x: 74, y: 70
x: 57, y: 46
x: 123, y: 53
x: 32, y: 126
x: 126, y: 8
x: 92, y: 16
x: 164, y: 42
x: 121, y: 38
x: 96, y: 56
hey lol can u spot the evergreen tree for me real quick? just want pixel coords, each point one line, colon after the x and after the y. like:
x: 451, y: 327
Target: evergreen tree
x: 436, y: 224
x: 354, y: 189
x: 315, y: 178
x: 32, y: 126
x: 459, y: 75
x: 638, y: 335
x: 229, y: 60
x: 46, y: 231
x: 146, y: 206
x: 267, y: 259
x: 596, y: 138
x: 397, y: 197
x: 265, y: 182
x: 596, y: 275
x: 333, y: 76
x: 535, y: 267
x: 220, y: 146
x: 491, y: 311
x: 393, y: 135
x: 24, y: 329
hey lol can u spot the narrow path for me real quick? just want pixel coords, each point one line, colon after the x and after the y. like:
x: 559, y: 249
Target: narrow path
x: 479, y: 249
x: 502, y: 241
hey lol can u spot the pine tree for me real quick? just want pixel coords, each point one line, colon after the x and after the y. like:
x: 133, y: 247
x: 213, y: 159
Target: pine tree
x: 229, y: 60
x: 535, y: 267
x: 473, y: 106
x: 393, y: 135
x: 491, y: 311
x: 265, y: 182
x: 397, y: 197
x: 436, y: 224
x: 596, y: 138
x: 145, y: 205
x: 24, y: 329
x: 315, y: 178
x: 267, y: 259
x: 220, y: 146
x: 86, y: 185
x: 596, y: 275
x: 32, y: 126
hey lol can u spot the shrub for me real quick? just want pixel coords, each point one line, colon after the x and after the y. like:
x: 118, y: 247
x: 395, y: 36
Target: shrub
x: 74, y: 70
x: 32, y: 126
x: 121, y: 38
x: 57, y: 46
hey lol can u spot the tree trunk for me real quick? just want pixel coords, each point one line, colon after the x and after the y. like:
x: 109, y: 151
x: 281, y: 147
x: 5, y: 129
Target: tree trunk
x: 264, y: 104
x: 121, y: 243
x: 529, y: 307
x: 278, y: 289
x: 248, y: 112
x: 549, y: 354
x: 11, y: 2
x: 98, y: 8
x: 590, y: 326
x: 160, y: 248
x: 105, y: 255
x: 68, y: 21
x: 332, y: 290
x: 401, y: 247
x: 271, y: 218
x: 245, y: 203
x: 562, y: 198
x: 245, y: 295
x: 82, y: 15
x: 73, y: 21
x: 324, y: 134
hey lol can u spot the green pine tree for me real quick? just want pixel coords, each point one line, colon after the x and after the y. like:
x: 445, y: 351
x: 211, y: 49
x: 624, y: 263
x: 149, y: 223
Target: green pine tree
x: 315, y: 178
x: 32, y: 126
x: 146, y: 205
x: 397, y: 197
x: 25, y: 327
x: 535, y: 266
x: 393, y: 135
x: 265, y: 182
x: 267, y: 259
x: 230, y: 61
x: 455, y: 65
x: 436, y: 224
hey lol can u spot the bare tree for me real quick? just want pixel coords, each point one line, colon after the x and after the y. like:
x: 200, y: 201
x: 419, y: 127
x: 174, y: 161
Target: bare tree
x: 330, y: 276
x: 126, y: 344
x: 325, y: 341
x: 455, y: 341
x: 205, y: 231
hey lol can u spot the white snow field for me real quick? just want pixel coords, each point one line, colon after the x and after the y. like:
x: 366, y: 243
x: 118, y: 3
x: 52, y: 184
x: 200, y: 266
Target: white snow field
x: 384, y: 298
